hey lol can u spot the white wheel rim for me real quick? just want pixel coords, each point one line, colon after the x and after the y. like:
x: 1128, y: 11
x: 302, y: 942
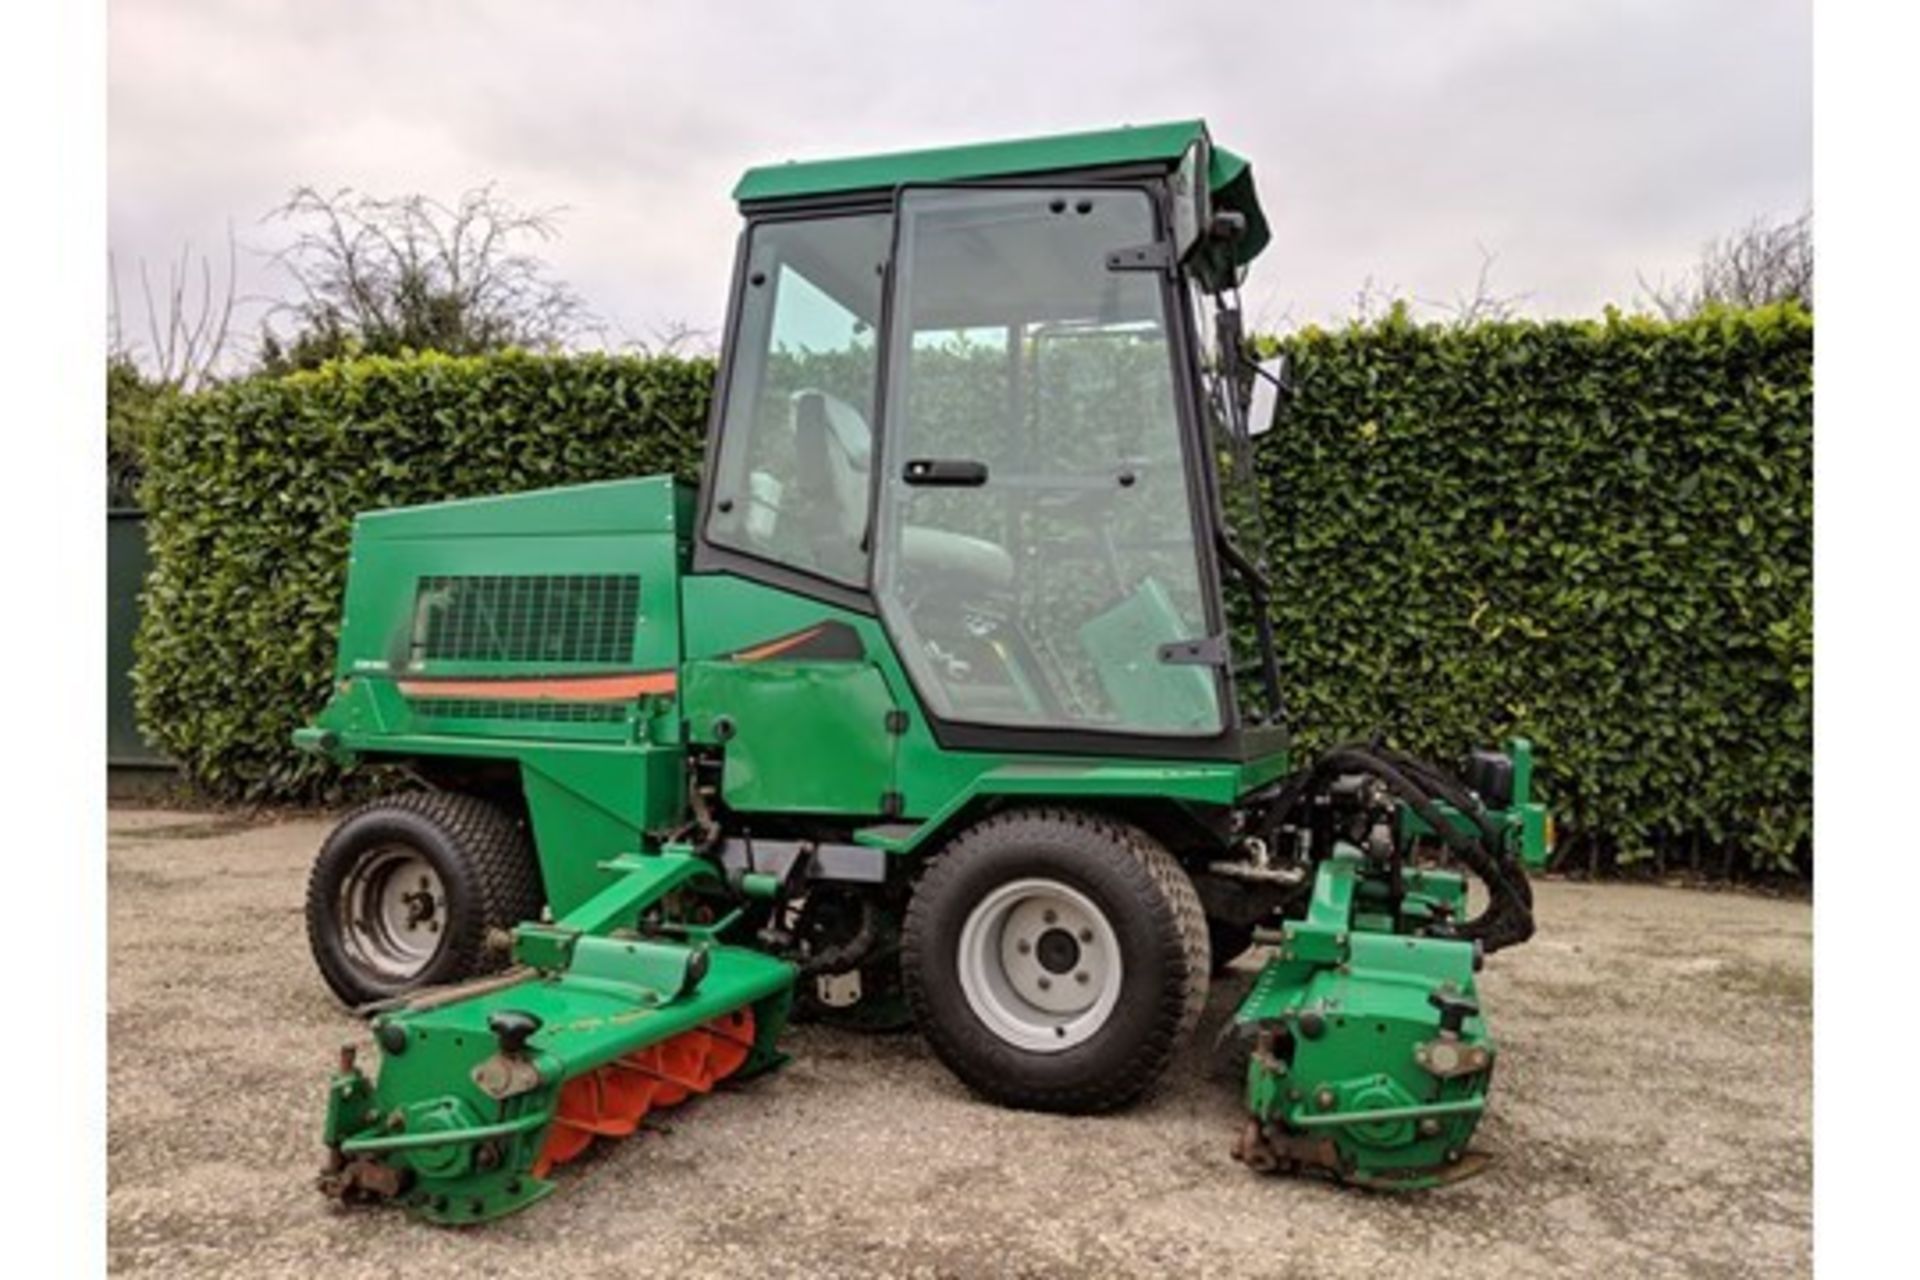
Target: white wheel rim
x: 1040, y: 965
x: 393, y: 911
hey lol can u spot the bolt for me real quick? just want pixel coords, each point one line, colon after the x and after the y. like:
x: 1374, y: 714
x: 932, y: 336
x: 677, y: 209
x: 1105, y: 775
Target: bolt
x: 1429, y: 1127
x: 1046, y: 984
x: 1050, y: 915
x: 1324, y: 1099
x: 1086, y: 935
x: 1023, y: 946
x: 1082, y: 977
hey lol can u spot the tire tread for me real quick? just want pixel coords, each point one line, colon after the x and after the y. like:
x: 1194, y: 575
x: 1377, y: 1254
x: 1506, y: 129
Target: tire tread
x: 1159, y: 878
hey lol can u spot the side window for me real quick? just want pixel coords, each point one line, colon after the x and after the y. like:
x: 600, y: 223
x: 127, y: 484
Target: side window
x: 793, y: 475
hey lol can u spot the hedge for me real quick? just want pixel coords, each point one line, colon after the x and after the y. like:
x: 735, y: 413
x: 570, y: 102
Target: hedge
x: 1594, y: 533
x: 1597, y: 534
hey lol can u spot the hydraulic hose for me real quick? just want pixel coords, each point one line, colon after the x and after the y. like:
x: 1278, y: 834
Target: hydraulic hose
x: 1508, y: 917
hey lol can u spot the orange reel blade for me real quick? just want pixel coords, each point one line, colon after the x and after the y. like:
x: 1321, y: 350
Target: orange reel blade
x: 610, y: 1101
x: 629, y: 1090
x: 683, y: 1067
x: 732, y: 1042
x: 570, y: 1134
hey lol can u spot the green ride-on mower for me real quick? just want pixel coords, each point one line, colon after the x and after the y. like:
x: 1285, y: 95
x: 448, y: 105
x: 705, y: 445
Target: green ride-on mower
x: 950, y: 699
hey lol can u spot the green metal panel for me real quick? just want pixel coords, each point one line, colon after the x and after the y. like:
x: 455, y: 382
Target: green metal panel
x: 589, y: 806
x: 1351, y: 1069
x: 541, y: 628
x: 726, y: 615
x: 1102, y: 148
x: 1229, y: 175
x: 797, y: 737
x: 126, y: 572
x: 1525, y: 822
x: 595, y: 536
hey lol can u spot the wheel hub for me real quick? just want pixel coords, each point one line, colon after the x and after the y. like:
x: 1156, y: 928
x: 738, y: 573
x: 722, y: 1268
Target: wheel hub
x: 1040, y: 965
x: 1057, y: 951
x: 393, y: 906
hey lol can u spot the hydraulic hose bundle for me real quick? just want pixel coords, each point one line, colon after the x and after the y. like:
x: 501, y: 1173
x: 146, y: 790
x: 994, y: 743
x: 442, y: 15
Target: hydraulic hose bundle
x: 1446, y: 809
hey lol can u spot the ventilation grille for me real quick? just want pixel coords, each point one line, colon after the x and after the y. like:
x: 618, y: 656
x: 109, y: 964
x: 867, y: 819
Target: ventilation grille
x: 527, y: 618
x: 548, y: 712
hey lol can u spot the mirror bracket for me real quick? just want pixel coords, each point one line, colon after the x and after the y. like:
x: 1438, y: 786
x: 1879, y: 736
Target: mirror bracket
x: 1156, y: 256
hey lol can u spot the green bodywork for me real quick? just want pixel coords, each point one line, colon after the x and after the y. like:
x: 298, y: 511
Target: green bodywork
x: 1229, y: 176
x: 1351, y: 1072
x: 560, y: 643
x: 840, y: 738
x: 464, y: 1120
x: 1524, y: 823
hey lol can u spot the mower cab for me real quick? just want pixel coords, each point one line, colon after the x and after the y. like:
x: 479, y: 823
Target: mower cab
x: 950, y: 698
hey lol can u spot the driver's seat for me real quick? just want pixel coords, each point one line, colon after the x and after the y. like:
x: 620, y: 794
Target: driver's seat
x: 832, y: 449
x: 833, y: 452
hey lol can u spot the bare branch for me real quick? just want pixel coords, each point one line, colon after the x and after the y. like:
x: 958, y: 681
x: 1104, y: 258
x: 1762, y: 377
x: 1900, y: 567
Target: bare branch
x: 1763, y: 262
x: 386, y: 274
x: 187, y: 340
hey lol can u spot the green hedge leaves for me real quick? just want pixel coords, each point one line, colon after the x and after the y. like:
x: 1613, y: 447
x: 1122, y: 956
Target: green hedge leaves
x: 1597, y: 534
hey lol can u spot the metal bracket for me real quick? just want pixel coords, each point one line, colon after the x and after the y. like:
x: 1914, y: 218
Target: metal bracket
x: 506, y: 1076
x: 1208, y: 651
x: 1155, y: 256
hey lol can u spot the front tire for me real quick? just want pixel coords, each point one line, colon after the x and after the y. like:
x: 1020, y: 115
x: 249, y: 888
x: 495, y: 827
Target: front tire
x: 406, y: 891
x: 1055, y: 960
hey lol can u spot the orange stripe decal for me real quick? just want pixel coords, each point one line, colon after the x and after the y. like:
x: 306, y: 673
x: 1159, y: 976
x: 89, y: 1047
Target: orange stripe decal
x: 773, y: 648
x: 616, y: 688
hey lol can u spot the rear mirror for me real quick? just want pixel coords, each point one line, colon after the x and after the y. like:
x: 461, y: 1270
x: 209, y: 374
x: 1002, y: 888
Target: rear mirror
x: 1263, y: 405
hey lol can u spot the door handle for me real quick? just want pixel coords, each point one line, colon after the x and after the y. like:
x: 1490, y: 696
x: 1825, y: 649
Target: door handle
x: 950, y: 473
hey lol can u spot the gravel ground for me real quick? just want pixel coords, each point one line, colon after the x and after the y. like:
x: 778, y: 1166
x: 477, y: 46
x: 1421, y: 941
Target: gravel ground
x: 1652, y: 1117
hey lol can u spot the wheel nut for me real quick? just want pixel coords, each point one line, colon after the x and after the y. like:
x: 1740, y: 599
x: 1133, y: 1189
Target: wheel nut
x: 1050, y: 915
x: 1046, y: 984
x: 1086, y: 935
x: 1023, y: 946
x: 1081, y: 977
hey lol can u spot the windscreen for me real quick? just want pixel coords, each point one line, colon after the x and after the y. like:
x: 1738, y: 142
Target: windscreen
x: 1036, y: 551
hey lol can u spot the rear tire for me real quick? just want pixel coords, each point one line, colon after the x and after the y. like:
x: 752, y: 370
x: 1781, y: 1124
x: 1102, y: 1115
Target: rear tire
x: 406, y: 891
x: 1002, y: 928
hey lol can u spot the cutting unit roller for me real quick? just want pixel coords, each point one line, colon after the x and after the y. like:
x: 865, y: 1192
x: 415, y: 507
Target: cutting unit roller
x: 483, y: 1090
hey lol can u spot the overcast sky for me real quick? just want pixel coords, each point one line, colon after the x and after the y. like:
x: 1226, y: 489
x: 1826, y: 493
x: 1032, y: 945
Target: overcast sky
x: 1581, y: 142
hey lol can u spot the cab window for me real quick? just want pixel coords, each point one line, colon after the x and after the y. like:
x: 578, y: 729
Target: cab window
x: 792, y: 479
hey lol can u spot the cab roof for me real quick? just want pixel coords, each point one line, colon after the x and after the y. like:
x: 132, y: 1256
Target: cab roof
x: 1230, y: 176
